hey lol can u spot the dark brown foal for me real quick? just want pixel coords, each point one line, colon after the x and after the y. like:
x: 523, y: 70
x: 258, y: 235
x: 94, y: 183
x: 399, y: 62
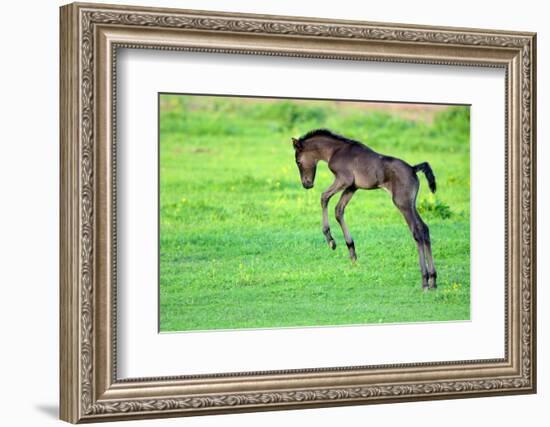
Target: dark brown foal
x: 355, y: 166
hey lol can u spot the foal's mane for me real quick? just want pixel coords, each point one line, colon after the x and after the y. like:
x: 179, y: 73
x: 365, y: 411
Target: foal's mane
x: 328, y: 133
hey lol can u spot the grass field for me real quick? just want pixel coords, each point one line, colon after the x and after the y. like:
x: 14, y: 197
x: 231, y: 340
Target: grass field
x: 240, y: 239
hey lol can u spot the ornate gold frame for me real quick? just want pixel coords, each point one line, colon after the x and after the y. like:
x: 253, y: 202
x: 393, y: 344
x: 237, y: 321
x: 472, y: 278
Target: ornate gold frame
x: 90, y: 36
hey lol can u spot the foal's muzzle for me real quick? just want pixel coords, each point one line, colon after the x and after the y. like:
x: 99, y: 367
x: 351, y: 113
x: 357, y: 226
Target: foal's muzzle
x: 307, y: 185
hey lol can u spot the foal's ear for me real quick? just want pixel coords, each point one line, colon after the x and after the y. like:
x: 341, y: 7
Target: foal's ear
x: 297, y: 144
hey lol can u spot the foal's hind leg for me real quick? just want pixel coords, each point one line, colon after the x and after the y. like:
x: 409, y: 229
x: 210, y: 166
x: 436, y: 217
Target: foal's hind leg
x: 404, y: 201
x: 432, y: 273
x: 340, y: 207
x: 418, y: 233
x: 431, y: 267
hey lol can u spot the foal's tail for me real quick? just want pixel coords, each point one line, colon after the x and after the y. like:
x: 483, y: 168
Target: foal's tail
x: 426, y: 168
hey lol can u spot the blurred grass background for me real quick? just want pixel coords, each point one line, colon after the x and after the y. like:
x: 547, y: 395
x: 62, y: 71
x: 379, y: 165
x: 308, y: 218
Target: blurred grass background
x: 240, y: 239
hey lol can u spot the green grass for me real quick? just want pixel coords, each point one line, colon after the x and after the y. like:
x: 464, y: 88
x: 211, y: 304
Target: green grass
x: 240, y: 239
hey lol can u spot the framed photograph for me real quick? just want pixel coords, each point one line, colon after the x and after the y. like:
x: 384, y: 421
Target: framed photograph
x: 266, y: 212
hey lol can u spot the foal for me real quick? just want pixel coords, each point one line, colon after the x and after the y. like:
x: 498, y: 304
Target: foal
x: 356, y: 166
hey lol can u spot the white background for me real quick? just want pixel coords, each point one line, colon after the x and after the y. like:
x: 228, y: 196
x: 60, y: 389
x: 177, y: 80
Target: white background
x: 29, y: 172
x: 145, y: 353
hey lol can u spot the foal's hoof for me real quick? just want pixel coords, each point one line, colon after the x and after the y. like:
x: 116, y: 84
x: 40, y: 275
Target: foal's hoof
x: 332, y: 244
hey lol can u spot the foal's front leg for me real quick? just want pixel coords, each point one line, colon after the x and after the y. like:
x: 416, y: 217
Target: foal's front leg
x: 340, y: 208
x: 336, y: 186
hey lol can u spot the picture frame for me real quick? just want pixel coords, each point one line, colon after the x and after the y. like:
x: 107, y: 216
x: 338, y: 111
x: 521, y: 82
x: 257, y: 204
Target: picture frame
x: 90, y: 390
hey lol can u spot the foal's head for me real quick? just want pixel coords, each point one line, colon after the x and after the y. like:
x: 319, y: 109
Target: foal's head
x: 306, y: 162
